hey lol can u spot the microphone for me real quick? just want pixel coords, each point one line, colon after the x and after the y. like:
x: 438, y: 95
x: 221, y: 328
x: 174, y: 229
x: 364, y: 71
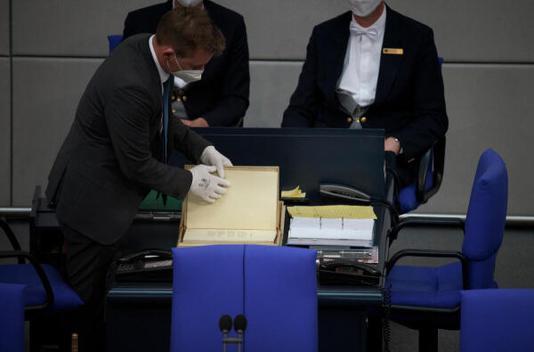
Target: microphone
x: 240, y: 325
x: 225, y: 325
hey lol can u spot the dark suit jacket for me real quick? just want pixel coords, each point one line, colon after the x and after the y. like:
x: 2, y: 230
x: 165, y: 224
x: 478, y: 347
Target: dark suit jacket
x: 110, y: 158
x: 221, y: 96
x: 409, y: 103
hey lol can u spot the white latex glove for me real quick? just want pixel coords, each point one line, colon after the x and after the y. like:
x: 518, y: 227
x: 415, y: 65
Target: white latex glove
x: 207, y: 186
x: 210, y: 156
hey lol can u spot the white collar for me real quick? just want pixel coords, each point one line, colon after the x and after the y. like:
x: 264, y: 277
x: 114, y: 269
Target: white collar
x: 164, y: 76
x: 379, y: 25
x: 174, y: 4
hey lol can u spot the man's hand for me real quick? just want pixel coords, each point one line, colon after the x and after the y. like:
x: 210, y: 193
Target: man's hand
x: 210, y: 156
x: 207, y: 186
x: 392, y: 144
x: 198, y: 122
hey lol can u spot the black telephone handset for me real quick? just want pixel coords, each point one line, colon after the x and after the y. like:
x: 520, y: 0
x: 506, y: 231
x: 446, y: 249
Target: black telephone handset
x: 344, y: 192
x: 148, y: 264
x: 343, y: 272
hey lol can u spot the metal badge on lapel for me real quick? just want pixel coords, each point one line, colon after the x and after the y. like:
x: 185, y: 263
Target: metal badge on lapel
x: 393, y: 51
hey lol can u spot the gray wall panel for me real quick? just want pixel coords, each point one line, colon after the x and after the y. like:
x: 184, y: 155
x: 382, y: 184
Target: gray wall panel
x: 281, y: 31
x: 68, y: 28
x: 488, y: 106
x: 45, y: 96
x: 5, y: 132
x: 4, y: 27
x: 498, y: 116
x: 272, y: 83
x: 476, y: 30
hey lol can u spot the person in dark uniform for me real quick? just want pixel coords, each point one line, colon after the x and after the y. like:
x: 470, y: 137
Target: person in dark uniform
x: 373, y: 68
x: 116, y: 151
x: 221, y: 96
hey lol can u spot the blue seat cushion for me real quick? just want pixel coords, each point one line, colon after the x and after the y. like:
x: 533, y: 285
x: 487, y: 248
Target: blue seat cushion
x: 433, y: 287
x: 34, y: 294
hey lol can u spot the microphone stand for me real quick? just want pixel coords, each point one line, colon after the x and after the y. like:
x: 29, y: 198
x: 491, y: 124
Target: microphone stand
x: 225, y: 325
x: 240, y: 324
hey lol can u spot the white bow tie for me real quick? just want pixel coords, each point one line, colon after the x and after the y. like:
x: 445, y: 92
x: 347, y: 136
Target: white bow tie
x: 371, y: 33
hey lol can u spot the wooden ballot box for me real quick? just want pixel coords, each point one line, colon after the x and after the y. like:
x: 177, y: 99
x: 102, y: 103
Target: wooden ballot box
x: 250, y: 212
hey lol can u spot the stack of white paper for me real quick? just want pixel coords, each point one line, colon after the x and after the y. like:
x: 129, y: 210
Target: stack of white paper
x: 336, y: 231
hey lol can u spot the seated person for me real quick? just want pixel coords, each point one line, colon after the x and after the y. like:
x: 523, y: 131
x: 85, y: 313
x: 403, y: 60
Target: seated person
x: 220, y: 98
x: 373, y: 68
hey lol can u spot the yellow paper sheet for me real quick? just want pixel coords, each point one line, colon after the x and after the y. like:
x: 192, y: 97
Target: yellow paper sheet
x: 333, y: 211
x: 294, y: 193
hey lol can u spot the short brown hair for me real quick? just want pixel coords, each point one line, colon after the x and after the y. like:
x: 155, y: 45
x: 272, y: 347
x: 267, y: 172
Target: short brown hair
x: 187, y: 29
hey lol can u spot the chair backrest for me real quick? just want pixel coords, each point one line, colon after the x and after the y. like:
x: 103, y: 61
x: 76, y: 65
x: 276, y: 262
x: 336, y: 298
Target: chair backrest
x: 485, y: 220
x: 428, y: 181
x: 274, y: 287
x: 113, y: 41
x: 498, y: 320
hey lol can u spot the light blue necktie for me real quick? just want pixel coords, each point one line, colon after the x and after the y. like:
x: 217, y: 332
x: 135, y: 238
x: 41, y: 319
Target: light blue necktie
x: 167, y: 87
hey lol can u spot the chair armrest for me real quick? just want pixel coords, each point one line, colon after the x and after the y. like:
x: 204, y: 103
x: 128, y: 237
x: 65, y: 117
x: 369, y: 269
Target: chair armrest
x: 427, y: 253
x: 11, y: 237
x: 40, y: 272
x: 414, y: 221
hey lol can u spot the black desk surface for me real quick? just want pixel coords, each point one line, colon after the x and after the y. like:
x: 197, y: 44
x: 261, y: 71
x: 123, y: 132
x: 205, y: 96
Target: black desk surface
x: 160, y: 231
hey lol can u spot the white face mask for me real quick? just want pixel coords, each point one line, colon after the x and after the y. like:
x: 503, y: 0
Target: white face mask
x: 189, y: 76
x: 363, y: 8
x: 187, y: 3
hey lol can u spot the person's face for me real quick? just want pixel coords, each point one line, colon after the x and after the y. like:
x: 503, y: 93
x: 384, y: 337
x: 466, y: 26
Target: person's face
x: 194, y: 61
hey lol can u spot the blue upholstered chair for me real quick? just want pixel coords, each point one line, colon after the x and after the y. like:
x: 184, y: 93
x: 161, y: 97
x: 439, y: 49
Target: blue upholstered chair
x: 499, y: 320
x: 428, y: 298
x: 274, y: 287
x: 40, y: 288
x: 429, y: 177
x: 44, y: 286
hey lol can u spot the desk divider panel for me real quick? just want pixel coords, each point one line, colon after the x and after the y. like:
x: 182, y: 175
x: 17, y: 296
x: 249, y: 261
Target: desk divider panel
x: 307, y: 157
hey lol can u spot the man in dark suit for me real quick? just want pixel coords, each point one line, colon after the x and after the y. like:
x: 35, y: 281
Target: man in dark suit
x: 221, y: 97
x: 117, y: 149
x: 373, y: 68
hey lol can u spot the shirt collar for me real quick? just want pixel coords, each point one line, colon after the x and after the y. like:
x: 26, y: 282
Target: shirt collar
x: 379, y: 25
x: 163, y: 76
x: 174, y: 4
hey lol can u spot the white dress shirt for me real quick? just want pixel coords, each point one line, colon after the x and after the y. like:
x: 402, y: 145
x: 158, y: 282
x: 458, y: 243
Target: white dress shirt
x: 163, y: 76
x: 362, y: 63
